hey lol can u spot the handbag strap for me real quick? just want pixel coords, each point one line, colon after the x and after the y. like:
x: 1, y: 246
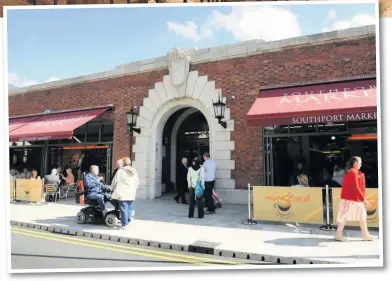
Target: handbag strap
x: 198, y: 177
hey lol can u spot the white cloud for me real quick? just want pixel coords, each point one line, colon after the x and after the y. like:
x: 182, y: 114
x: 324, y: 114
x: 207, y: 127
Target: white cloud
x: 332, y: 15
x: 244, y: 23
x: 190, y: 30
x: 16, y: 81
x: 52, y: 79
x: 252, y: 22
x: 356, y: 21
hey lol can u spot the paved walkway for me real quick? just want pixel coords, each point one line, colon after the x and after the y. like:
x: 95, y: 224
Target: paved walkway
x: 164, y: 223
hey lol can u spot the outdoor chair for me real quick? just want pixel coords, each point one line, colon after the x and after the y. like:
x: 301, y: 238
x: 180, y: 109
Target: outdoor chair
x: 52, y: 189
x: 72, y: 188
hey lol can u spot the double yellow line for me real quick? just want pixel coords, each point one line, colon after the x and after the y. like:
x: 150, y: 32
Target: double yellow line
x: 123, y: 248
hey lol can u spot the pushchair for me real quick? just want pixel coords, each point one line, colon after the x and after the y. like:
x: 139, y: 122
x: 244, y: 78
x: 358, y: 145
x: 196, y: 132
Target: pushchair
x: 217, y: 199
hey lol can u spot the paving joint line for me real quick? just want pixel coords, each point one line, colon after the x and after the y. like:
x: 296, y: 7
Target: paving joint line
x: 172, y: 246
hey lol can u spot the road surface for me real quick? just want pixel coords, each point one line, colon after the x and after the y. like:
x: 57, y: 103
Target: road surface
x: 35, y: 249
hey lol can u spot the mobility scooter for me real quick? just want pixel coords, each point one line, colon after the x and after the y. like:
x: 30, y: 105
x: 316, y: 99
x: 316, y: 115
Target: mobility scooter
x: 93, y: 213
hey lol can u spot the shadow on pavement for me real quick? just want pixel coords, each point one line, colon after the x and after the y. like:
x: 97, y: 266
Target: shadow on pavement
x: 230, y: 216
x: 70, y: 222
x: 310, y: 242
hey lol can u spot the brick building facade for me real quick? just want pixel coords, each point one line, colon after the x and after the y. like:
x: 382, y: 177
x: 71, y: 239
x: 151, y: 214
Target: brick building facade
x: 238, y: 70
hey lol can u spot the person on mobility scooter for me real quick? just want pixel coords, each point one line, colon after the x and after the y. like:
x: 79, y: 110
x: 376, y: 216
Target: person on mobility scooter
x: 97, y: 194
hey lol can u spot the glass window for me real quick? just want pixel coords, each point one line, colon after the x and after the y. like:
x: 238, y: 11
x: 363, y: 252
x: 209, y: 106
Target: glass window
x: 363, y: 127
x: 274, y: 130
x: 303, y: 129
x: 93, y: 129
x: 107, y: 131
x: 54, y: 142
x: 323, y: 155
x: 80, y: 133
x: 332, y: 127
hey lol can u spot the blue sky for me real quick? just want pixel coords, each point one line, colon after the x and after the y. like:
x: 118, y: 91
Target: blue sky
x: 51, y: 44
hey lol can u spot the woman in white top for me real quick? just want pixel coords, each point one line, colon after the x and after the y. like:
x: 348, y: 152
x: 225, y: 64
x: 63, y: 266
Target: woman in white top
x: 124, y: 186
x: 195, y: 174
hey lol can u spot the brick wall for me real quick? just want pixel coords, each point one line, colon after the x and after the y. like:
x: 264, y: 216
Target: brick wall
x: 122, y: 92
x: 239, y: 77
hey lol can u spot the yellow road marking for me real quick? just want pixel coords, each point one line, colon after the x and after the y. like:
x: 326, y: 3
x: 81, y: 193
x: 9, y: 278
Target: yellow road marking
x: 134, y: 250
x: 108, y: 248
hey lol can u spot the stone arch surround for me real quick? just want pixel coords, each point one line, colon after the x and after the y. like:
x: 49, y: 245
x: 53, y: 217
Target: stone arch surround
x: 162, y: 101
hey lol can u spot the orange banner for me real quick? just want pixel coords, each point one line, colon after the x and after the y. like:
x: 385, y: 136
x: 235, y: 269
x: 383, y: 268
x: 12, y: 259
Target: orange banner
x: 288, y: 204
x: 29, y: 190
x: 371, y: 209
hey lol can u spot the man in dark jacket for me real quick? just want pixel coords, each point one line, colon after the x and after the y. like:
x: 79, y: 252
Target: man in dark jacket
x: 182, y: 182
x: 119, y: 165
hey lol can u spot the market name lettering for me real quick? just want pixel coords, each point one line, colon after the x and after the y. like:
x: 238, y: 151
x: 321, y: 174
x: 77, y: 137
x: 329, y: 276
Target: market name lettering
x: 334, y: 118
x: 329, y: 95
x: 288, y: 198
x: 58, y: 121
x: 36, y: 138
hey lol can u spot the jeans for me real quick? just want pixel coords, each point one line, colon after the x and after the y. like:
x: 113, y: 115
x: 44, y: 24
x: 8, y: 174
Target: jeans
x: 98, y: 197
x: 126, y: 208
x: 193, y: 202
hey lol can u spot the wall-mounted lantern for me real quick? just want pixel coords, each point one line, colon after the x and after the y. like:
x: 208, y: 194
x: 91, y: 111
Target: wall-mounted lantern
x: 219, y: 109
x: 131, y: 120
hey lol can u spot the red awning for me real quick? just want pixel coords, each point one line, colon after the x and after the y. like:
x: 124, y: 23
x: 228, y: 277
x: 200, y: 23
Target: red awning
x: 50, y: 126
x: 17, y: 123
x: 337, y: 102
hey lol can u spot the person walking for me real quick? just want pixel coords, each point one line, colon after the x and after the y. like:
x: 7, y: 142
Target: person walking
x: 353, y: 200
x: 195, y: 174
x: 124, y: 186
x: 210, y: 171
x: 182, y: 182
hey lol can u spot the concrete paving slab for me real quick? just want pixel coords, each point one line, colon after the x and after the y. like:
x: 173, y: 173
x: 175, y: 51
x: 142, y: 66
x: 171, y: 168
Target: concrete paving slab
x: 163, y: 223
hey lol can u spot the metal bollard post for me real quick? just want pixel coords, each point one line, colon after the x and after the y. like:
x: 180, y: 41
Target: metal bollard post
x: 249, y: 221
x: 328, y: 226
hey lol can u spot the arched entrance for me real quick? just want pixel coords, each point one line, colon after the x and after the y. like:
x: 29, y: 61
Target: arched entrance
x: 193, y: 137
x: 185, y: 135
x: 189, y: 92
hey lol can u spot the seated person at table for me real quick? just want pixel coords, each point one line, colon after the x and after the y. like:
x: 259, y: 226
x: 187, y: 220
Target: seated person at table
x: 68, y: 181
x: 94, y: 188
x: 54, y: 179
x: 24, y: 174
x: 34, y: 175
x: 303, y: 181
x: 13, y: 173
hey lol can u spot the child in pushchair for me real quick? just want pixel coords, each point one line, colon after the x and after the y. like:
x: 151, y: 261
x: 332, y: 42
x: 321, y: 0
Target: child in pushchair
x: 217, y: 199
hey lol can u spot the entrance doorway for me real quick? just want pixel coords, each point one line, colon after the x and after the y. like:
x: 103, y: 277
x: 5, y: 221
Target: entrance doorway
x: 191, y: 139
